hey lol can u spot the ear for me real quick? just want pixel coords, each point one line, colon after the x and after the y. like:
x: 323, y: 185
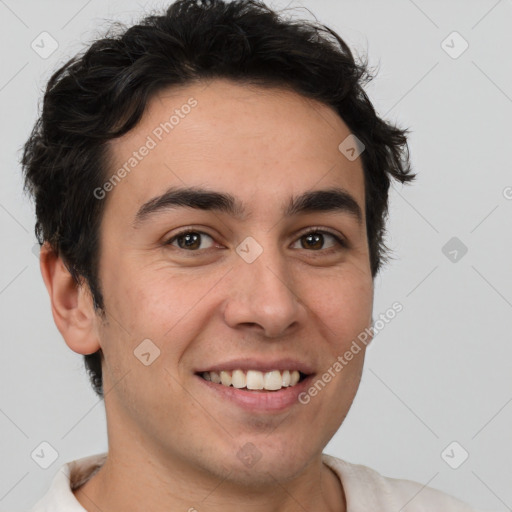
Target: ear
x: 72, y: 305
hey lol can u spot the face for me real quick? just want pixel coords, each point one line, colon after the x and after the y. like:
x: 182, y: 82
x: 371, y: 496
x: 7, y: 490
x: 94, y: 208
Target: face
x: 254, y: 280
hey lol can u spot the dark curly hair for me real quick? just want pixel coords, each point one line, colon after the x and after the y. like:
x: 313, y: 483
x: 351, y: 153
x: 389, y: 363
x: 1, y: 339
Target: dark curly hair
x: 102, y: 93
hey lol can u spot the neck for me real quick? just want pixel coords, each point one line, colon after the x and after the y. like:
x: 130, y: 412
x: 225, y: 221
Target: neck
x: 125, y: 482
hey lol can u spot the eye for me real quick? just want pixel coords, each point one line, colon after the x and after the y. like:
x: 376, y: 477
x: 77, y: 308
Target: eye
x: 190, y: 240
x: 315, y: 240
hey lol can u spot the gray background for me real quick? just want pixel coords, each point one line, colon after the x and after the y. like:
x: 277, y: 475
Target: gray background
x: 439, y: 372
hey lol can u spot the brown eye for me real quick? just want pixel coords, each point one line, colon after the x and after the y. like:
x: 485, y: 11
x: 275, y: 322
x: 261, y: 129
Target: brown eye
x: 312, y: 241
x: 315, y: 240
x: 189, y: 240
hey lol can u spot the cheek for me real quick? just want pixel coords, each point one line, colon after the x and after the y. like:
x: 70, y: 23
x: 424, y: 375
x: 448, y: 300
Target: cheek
x: 146, y: 302
x: 165, y: 306
x: 343, y: 303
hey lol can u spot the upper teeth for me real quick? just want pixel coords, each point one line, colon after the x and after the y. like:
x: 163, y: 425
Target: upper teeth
x: 253, y: 379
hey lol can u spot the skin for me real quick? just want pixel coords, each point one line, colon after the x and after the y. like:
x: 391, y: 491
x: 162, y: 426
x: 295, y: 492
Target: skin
x: 172, y: 446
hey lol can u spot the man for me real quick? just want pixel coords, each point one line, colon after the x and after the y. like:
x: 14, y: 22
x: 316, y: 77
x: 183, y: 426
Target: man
x: 211, y: 187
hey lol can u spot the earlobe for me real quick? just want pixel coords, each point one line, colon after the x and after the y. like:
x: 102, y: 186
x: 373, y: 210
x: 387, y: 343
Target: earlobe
x: 72, y: 306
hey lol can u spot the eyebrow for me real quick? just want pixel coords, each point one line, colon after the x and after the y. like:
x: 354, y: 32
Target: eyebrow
x: 329, y: 200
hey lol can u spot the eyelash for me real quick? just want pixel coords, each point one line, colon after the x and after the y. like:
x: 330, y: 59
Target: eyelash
x: 316, y: 230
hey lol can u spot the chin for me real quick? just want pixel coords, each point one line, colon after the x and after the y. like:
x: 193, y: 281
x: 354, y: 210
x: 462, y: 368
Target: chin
x: 262, y: 461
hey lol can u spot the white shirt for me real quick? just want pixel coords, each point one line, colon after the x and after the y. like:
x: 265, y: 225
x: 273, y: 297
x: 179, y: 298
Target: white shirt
x: 365, y: 489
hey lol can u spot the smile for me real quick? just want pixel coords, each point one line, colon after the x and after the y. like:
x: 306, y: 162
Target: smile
x: 255, y: 380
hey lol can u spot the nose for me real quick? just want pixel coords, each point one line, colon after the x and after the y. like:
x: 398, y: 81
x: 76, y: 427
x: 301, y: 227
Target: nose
x: 264, y: 296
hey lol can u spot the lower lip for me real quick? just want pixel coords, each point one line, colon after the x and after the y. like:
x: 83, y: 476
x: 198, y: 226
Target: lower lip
x: 260, y: 401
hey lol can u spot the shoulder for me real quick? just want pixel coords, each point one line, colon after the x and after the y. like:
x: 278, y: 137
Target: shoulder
x: 60, y: 497
x: 366, y: 489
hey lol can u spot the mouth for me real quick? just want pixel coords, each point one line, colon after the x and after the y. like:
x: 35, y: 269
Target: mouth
x: 255, y: 380
x: 256, y: 385
x: 256, y: 392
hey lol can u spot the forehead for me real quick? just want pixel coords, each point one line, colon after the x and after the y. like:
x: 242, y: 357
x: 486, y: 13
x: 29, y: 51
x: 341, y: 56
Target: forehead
x: 253, y: 142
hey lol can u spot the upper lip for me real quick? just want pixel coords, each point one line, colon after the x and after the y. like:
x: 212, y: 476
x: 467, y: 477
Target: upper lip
x: 262, y: 365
